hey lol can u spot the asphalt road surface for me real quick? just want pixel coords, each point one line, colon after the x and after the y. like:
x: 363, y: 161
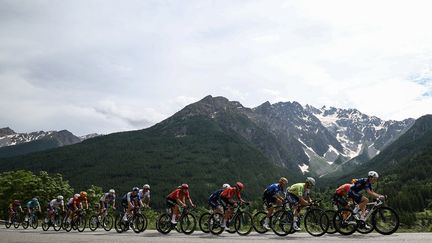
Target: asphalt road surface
x: 30, y: 235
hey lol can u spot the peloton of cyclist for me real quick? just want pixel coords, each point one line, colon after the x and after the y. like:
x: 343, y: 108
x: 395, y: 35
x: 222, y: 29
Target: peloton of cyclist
x: 76, y: 203
x: 274, y: 195
x: 228, y: 203
x: 299, y: 196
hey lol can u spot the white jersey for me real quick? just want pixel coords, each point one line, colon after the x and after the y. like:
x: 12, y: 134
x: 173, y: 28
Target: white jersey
x: 108, y: 198
x: 144, y: 195
x: 56, y: 204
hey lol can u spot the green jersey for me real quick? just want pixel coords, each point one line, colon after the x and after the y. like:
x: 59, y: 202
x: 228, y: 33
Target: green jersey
x: 297, y: 189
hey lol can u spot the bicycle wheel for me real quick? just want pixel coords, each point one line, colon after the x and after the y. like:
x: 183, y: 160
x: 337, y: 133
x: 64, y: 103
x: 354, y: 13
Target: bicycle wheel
x: 34, y: 222
x: 243, y: 223
x: 25, y: 223
x: 81, y: 223
x: 330, y: 214
x: 215, y: 223
x: 8, y: 224
x: 203, y: 222
x: 45, y: 224
x: 385, y: 220
x: 163, y: 223
x: 281, y: 222
x: 118, y: 224
x: 58, y: 222
x: 344, y: 221
x: 316, y: 222
x: 365, y: 227
x: 93, y: 222
x: 188, y: 224
x: 258, y: 222
x: 67, y: 225
x: 108, y: 222
x: 138, y: 223
x: 16, y: 221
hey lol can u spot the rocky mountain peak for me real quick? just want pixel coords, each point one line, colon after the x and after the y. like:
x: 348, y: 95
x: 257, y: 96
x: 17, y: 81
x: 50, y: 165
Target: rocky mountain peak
x: 6, y: 131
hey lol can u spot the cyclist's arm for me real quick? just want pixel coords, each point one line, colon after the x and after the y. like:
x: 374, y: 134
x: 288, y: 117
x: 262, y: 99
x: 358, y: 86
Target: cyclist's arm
x: 372, y: 193
x: 180, y: 202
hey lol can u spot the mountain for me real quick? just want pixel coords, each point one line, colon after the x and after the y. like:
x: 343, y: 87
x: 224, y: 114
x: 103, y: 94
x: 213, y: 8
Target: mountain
x: 404, y: 167
x: 13, y: 144
x: 190, y: 147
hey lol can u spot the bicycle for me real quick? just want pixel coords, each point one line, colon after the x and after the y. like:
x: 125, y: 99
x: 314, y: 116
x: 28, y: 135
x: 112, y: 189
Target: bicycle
x: 281, y: 222
x: 78, y: 221
x: 137, y: 221
x: 15, y: 220
x: 187, y: 222
x: 105, y: 220
x: 56, y: 224
x: 241, y: 218
x: 380, y: 217
x: 203, y: 221
x: 30, y: 219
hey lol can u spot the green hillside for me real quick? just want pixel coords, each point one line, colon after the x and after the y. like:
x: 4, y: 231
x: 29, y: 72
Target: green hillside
x: 196, y: 150
x: 30, y: 147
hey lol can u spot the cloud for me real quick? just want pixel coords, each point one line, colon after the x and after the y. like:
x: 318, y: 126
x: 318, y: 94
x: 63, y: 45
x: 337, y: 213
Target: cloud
x: 101, y: 66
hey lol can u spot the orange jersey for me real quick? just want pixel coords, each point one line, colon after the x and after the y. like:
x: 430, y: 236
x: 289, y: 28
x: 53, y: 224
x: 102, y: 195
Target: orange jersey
x: 229, y: 193
x: 343, y: 190
x: 178, y: 194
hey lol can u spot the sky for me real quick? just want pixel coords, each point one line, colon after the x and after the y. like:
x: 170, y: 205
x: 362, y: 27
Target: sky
x: 108, y: 66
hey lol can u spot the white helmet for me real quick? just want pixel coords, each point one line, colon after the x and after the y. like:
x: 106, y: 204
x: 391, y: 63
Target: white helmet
x: 311, y: 181
x: 225, y: 186
x: 112, y: 191
x: 77, y: 195
x: 146, y: 186
x: 373, y: 174
x: 60, y: 197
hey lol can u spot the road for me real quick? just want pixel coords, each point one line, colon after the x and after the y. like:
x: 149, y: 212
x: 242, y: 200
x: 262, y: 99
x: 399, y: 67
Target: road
x: 15, y: 236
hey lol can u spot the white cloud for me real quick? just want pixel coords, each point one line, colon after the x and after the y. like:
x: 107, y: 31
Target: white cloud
x: 102, y: 66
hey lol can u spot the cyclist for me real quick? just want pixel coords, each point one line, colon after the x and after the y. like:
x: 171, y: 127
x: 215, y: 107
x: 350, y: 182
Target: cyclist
x: 274, y: 195
x: 130, y: 201
x: 13, y: 209
x: 178, y: 198
x: 104, y: 202
x: 54, y: 204
x: 299, y: 195
x: 76, y: 203
x: 215, y: 201
x: 363, y: 184
x: 228, y: 203
x: 144, y: 194
x: 340, y: 196
x: 32, y: 205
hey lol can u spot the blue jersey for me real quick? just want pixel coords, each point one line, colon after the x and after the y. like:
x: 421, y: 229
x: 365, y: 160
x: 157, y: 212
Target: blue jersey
x: 32, y: 204
x: 361, y: 184
x: 129, y: 197
x: 215, y: 195
x: 274, y: 189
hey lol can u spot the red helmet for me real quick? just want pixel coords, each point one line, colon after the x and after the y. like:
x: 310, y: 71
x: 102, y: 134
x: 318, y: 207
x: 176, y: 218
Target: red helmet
x: 239, y: 185
x: 185, y: 186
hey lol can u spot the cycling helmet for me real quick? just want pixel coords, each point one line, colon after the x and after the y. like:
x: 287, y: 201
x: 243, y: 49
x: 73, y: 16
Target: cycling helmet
x: 112, y: 191
x: 239, y: 185
x: 373, y: 174
x: 311, y: 181
x: 59, y: 198
x: 77, y: 195
x: 83, y: 194
x: 225, y: 186
x: 34, y: 199
x: 135, y: 189
x: 283, y: 180
x: 185, y: 186
x: 146, y: 186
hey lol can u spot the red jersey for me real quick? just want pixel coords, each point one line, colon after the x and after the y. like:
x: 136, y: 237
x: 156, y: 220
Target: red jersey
x: 343, y: 190
x: 229, y: 193
x: 78, y: 200
x: 179, y: 194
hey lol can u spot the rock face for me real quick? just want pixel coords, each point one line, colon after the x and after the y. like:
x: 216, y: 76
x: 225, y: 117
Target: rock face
x: 315, y: 140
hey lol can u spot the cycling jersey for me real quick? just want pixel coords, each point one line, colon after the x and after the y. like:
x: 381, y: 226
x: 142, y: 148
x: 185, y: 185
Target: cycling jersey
x: 144, y: 195
x: 343, y: 189
x: 214, y: 199
x: 298, y: 190
x: 32, y: 204
x: 361, y: 184
x: 56, y: 204
x: 178, y: 194
x: 107, y: 198
x: 229, y: 193
x: 128, y: 197
x: 273, y: 190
